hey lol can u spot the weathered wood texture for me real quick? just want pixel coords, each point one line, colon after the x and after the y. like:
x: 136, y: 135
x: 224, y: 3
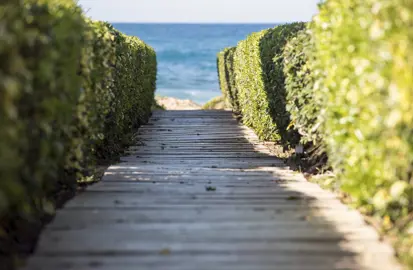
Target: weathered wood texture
x: 199, y: 192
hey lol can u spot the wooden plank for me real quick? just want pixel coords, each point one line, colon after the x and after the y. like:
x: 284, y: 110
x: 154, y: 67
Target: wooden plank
x: 176, y: 151
x: 200, y: 262
x: 108, y: 199
x: 137, y: 242
x: 195, y: 142
x: 83, y: 217
x: 202, y: 156
x: 200, y: 190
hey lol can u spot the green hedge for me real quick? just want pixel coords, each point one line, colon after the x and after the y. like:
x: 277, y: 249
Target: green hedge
x: 69, y: 86
x: 99, y: 58
x: 230, y: 73
x: 40, y: 92
x: 347, y: 85
x: 39, y: 95
x: 134, y: 79
x: 366, y: 82
x: 225, y: 61
x: 251, y: 97
x: 364, y: 56
x: 223, y: 84
x: 302, y: 103
x: 259, y: 79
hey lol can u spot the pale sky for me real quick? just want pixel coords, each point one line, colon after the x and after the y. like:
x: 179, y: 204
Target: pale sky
x: 225, y: 11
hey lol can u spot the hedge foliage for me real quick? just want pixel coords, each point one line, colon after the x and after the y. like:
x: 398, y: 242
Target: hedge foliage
x: 98, y: 89
x: 364, y: 56
x: 364, y: 75
x: 222, y: 80
x: 302, y: 102
x: 272, y: 79
x: 68, y: 87
x: 39, y: 94
x: 345, y: 83
x: 251, y: 97
x: 134, y: 87
x: 226, y: 75
x: 259, y: 79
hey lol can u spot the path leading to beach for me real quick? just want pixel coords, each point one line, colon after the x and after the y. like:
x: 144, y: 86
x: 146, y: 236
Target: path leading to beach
x: 200, y: 192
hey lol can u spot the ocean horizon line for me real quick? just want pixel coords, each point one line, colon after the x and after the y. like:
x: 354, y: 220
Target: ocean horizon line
x: 198, y: 23
x: 186, y: 53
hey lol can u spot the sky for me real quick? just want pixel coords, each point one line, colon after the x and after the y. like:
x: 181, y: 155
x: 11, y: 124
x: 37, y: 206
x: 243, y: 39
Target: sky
x: 201, y: 11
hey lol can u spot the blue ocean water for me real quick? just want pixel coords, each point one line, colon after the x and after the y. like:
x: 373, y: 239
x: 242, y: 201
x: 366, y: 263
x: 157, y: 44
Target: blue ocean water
x: 186, y: 54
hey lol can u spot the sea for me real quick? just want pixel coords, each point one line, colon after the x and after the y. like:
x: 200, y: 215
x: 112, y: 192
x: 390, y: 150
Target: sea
x: 186, y: 54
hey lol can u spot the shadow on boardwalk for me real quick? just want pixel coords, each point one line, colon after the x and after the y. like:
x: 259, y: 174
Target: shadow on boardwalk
x: 199, y: 192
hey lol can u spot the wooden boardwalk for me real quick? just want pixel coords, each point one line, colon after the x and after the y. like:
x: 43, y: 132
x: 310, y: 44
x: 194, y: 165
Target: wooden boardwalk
x: 199, y: 192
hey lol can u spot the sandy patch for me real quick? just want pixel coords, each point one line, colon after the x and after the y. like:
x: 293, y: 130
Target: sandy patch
x: 171, y: 103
